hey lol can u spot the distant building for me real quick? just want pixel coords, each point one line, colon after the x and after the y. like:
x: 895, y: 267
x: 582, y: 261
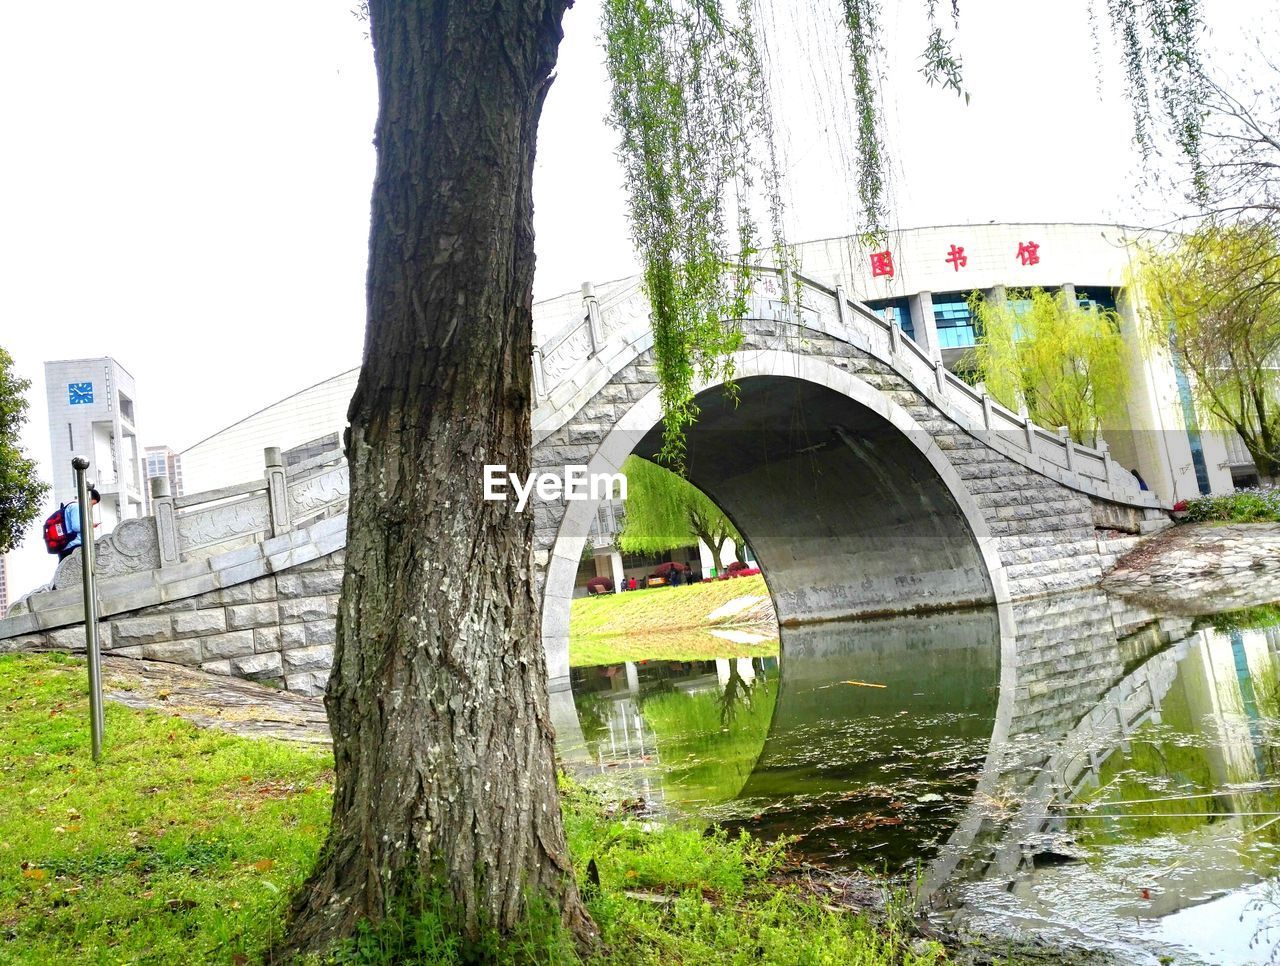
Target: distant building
x: 165, y: 461
x: 91, y: 414
x: 4, y: 583
x: 922, y: 278
x: 304, y: 422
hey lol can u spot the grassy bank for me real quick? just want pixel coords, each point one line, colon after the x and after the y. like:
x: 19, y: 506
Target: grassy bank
x: 661, y: 623
x: 182, y: 846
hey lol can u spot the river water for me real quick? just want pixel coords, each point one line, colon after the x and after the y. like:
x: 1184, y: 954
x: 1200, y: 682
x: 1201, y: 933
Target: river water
x: 1075, y: 768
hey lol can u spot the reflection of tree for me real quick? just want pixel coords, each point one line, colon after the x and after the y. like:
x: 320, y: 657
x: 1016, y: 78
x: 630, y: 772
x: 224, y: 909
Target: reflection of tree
x: 710, y: 740
x: 736, y: 691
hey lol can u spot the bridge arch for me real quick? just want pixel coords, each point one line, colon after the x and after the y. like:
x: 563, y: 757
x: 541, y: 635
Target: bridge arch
x: 948, y: 557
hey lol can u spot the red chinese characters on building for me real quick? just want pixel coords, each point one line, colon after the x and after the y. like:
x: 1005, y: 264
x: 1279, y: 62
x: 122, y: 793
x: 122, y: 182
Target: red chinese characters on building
x: 956, y: 258
x: 882, y: 264
x: 1029, y: 253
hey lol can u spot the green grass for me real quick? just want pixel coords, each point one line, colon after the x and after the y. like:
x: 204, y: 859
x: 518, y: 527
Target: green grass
x: 183, y: 845
x: 658, y: 624
x: 668, y: 894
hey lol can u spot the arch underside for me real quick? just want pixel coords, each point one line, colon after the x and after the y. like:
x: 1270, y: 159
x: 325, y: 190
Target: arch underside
x: 842, y: 508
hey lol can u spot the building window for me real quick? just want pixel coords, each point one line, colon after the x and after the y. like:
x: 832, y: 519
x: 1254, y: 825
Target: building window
x: 955, y: 322
x: 901, y: 311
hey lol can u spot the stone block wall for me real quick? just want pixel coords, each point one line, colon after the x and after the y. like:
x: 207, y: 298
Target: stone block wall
x: 277, y: 628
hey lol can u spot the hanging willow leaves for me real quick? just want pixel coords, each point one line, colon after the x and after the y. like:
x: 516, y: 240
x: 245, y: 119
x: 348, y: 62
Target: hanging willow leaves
x: 690, y: 103
x: 690, y: 100
x: 1160, y: 43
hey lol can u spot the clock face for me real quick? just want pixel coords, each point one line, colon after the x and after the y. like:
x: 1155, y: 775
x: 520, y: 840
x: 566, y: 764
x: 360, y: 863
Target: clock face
x: 80, y: 392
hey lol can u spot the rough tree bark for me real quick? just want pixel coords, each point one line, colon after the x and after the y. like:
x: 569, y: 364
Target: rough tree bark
x: 437, y: 700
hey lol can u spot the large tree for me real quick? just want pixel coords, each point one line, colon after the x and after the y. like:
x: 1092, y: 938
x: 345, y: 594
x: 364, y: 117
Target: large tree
x: 1213, y: 299
x: 1064, y: 361
x: 443, y: 745
x: 665, y: 511
x: 437, y: 699
x: 20, y: 489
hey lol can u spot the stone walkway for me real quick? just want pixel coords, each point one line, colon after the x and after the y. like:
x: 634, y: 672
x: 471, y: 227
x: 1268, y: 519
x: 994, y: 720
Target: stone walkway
x: 1202, y: 568
x: 215, y: 700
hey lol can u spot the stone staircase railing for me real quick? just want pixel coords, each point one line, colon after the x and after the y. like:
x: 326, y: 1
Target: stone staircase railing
x: 196, y: 526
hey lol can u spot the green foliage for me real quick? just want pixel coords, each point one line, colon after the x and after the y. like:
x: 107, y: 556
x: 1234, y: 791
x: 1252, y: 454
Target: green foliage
x: 861, y: 20
x: 689, y: 103
x: 1242, y: 506
x: 1160, y: 41
x: 180, y: 847
x: 666, y: 511
x: 21, y: 491
x: 1063, y: 361
x: 1213, y: 298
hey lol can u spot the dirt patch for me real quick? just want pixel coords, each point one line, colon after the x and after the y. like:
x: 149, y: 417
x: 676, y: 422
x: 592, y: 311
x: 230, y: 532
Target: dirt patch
x: 240, y: 707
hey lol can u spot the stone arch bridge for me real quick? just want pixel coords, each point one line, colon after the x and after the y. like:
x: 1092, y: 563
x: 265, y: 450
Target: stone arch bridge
x: 867, y: 478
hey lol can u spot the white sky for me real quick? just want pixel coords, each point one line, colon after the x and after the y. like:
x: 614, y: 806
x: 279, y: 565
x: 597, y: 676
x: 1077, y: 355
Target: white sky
x: 186, y: 188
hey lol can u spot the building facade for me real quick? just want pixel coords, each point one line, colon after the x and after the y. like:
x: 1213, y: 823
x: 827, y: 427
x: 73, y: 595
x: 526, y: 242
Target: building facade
x: 923, y: 278
x: 164, y: 462
x: 91, y: 414
x: 298, y: 421
x: 4, y: 583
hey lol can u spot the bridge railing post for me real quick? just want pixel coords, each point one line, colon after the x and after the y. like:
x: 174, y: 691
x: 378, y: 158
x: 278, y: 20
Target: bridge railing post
x: 986, y: 410
x: 895, y: 334
x: 842, y: 307
x: 594, y: 332
x: 166, y: 525
x: 940, y: 374
x: 1029, y: 427
x: 539, y: 378
x: 1070, y: 445
x: 277, y: 495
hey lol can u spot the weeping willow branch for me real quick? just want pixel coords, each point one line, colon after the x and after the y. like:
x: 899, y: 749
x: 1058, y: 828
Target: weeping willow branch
x: 690, y: 101
x: 1160, y: 44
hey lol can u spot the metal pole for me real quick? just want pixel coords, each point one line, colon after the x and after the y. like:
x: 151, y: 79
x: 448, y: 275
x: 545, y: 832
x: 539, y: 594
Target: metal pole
x: 80, y: 464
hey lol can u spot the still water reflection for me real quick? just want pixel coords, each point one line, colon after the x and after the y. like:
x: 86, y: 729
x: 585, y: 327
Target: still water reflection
x: 1072, y: 767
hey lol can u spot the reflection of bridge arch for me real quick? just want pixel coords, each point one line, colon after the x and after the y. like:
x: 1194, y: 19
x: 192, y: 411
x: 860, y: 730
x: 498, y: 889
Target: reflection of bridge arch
x: 992, y: 842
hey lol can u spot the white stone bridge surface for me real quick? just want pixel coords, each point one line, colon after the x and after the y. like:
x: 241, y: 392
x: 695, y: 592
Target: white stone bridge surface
x: 866, y: 477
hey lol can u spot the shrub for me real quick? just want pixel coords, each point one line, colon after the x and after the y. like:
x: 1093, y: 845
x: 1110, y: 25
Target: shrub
x: 1243, y: 506
x: 599, y: 585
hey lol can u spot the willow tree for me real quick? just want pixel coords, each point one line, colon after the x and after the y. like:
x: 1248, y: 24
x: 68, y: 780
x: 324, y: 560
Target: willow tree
x: 1213, y: 299
x: 665, y: 511
x: 437, y: 699
x: 1063, y: 361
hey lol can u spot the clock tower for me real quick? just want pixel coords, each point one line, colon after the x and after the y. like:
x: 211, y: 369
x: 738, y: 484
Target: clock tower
x: 91, y: 414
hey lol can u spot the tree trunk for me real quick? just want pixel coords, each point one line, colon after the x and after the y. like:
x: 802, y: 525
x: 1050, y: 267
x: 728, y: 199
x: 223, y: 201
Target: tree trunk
x: 443, y: 745
x: 713, y: 545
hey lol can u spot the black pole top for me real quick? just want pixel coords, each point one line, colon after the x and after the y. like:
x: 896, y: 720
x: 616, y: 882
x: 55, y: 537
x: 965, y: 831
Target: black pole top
x: 80, y: 463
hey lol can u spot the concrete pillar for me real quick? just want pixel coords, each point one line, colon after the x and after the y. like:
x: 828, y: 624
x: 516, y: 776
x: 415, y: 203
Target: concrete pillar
x: 1155, y: 441
x: 633, y: 677
x: 997, y: 295
x: 924, y: 326
x: 1069, y: 293
x: 616, y: 573
x: 166, y: 526
x: 277, y: 496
